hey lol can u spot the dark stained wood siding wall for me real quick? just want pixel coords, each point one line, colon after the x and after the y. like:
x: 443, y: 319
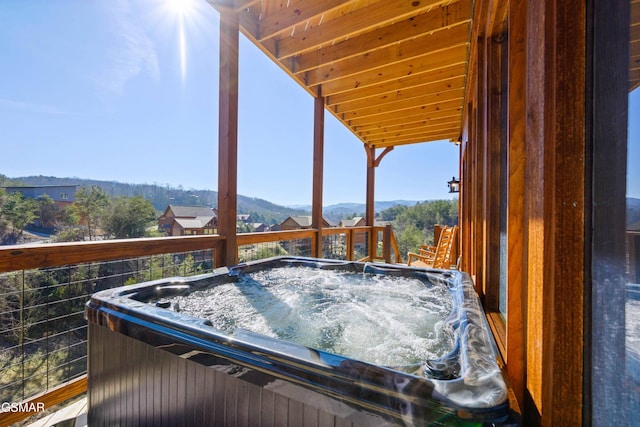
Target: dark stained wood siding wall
x: 542, y: 337
x: 607, y: 161
x: 133, y: 383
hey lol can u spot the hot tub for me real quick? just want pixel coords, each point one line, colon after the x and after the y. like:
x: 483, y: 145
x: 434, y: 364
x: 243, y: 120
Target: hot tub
x: 335, y: 343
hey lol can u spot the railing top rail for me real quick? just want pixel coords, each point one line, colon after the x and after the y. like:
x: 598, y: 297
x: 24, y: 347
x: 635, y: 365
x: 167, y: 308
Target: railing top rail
x: 31, y: 256
x: 274, y: 236
x: 25, y: 257
x: 339, y: 230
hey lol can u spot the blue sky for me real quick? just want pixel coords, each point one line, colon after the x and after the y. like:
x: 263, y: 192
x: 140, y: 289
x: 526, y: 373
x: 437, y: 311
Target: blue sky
x: 96, y: 89
x: 127, y: 91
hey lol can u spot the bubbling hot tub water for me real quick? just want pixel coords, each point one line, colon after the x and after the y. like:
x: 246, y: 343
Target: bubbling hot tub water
x: 384, y: 320
x: 270, y: 341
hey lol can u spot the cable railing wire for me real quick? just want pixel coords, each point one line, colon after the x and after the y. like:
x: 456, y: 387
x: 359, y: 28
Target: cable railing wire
x: 43, y: 334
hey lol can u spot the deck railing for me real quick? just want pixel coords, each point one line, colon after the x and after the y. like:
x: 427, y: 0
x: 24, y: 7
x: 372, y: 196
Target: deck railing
x: 43, y: 289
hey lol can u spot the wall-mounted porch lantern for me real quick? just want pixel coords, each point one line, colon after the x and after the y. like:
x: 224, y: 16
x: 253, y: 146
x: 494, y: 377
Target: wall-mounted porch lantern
x: 454, y: 185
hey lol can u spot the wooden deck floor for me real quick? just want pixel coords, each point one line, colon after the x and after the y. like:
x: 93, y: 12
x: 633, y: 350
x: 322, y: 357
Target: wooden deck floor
x: 74, y: 415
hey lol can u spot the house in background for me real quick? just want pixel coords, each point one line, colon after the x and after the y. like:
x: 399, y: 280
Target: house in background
x: 244, y: 218
x: 301, y: 222
x: 259, y: 227
x: 275, y: 227
x: 356, y: 221
x: 188, y: 220
x: 62, y: 195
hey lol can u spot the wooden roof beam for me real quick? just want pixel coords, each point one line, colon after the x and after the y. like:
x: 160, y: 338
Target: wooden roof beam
x: 360, y: 20
x: 436, y: 124
x: 456, y: 83
x: 431, y: 62
x: 396, y: 53
x: 442, y: 109
x: 441, y: 17
x: 426, y: 134
x: 289, y: 15
x: 416, y: 81
x: 240, y: 5
x: 427, y: 139
x: 404, y: 104
x: 373, y: 114
x: 411, y: 121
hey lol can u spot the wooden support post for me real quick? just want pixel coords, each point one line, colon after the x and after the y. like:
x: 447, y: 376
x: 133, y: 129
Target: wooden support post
x: 228, y: 136
x: 318, y: 172
x: 371, y: 177
x: 372, y: 164
x: 370, y: 209
x: 516, y: 271
x: 480, y: 172
x: 496, y: 139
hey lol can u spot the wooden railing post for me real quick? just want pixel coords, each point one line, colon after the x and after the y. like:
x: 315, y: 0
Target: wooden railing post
x: 316, y: 244
x: 350, y: 244
x: 386, y: 244
x: 437, y: 229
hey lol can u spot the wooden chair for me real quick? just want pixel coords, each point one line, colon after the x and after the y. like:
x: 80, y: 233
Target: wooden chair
x: 439, y: 256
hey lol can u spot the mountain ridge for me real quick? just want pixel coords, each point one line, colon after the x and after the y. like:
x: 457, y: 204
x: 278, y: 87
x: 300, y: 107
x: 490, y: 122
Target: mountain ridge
x: 260, y: 209
x: 163, y: 195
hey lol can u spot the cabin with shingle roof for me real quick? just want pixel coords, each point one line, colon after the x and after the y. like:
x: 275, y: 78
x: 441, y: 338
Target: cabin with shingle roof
x: 188, y: 220
x: 356, y: 221
x: 301, y: 222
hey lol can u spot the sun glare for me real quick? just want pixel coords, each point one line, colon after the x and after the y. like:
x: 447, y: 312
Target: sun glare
x: 180, y: 7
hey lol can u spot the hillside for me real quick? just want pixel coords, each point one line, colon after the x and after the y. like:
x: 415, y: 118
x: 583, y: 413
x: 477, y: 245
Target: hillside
x: 261, y: 210
x: 350, y: 208
x: 161, y: 196
x: 345, y: 210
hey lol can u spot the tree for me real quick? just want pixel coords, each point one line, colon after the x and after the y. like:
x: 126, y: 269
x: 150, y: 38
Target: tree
x: 3, y: 221
x: 69, y: 234
x: 414, y: 225
x: 128, y: 217
x: 7, y: 182
x: 89, y: 206
x: 47, y: 210
x: 391, y: 213
x: 19, y: 212
x: 410, y: 239
x: 270, y: 251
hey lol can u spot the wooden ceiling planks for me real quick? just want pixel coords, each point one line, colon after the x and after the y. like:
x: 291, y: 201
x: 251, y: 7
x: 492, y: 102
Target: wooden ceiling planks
x: 394, y: 54
x: 417, y: 83
x: 286, y: 20
x: 402, y: 31
x: 392, y: 71
x: 375, y: 130
x: 366, y: 24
